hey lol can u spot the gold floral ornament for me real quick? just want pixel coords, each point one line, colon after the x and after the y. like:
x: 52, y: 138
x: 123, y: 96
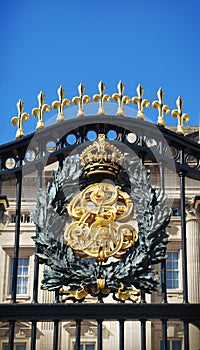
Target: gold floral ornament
x: 63, y: 102
x: 138, y: 100
x: 177, y: 113
x: 121, y: 99
x: 19, y: 120
x: 161, y: 108
x: 80, y: 100
x: 43, y: 107
x: 101, y: 98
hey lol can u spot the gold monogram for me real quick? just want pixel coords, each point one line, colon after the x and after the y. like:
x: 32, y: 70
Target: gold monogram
x: 97, y: 232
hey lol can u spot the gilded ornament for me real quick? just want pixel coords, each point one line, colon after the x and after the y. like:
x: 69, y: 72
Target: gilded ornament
x: 121, y: 99
x: 63, y: 102
x: 177, y: 113
x: 98, y: 210
x: 101, y: 158
x: 161, y: 108
x: 138, y: 100
x: 39, y: 111
x: 19, y: 119
x: 80, y: 100
x: 101, y: 98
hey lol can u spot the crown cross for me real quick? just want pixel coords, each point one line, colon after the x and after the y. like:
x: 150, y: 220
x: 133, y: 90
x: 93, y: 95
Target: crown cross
x: 137, y: 100
x: 101, y: 97
x: 121, y: 99
x: 19, y: 120
x: 177, y: 113
x: 161, y: 108
x: 43, y: 107
x: 81, y: 100
x: 63, y: 102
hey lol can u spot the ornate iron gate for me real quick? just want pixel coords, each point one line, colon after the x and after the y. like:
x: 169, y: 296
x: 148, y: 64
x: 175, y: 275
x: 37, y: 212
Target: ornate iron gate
x: 155, y: 146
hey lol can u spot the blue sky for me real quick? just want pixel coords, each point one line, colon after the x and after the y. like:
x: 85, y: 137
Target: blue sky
x: 48, y: 43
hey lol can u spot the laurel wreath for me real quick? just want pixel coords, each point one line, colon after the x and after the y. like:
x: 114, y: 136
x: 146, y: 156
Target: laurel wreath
x: 134, y: 269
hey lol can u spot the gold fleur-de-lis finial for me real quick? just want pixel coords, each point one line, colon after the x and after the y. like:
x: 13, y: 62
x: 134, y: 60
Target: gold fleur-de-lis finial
x: 80, y: 100
x: 137, y: 100
x: 101, y: 97
x: 121, y: 99
x: 63, y: 102
x: 19, y: 120
x: 43, y: 107
x: 161, y: 108
x: 177, y: 113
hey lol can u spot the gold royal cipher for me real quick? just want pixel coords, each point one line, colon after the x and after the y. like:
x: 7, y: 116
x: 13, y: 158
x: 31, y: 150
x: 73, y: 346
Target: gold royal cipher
x: 101, y: 212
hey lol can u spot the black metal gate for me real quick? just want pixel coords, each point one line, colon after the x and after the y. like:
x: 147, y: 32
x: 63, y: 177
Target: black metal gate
x: 156, y: 146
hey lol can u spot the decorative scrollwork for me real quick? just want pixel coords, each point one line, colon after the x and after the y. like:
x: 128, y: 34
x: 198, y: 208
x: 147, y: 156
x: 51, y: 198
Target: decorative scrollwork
x: 97, y: 234
x: 76, y: 277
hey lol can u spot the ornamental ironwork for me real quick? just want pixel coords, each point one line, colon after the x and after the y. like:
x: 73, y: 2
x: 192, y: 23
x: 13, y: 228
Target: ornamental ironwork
x: 95, y: 236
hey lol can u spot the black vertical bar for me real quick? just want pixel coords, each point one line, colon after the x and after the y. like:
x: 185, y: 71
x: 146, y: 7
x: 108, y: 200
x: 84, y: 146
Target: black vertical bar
x: 121, y: 334
x: 56, y: 324
x: 11, y: 335
x: 33, y: 335
x: 99, y: 338
x: 163, y: 275
x: 16, y: 254
x: 143, y: 296
x: 36, y: 259
x: 186, y: 336
x: 164, y: 335
x: 55, y: 335
x: 143, y: 334
x: 78, y: 334
x: 17, y: 233
x: 183, y: 233
x: 36, y: 274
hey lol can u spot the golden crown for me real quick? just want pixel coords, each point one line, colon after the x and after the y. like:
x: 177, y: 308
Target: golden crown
x: 101, y: 158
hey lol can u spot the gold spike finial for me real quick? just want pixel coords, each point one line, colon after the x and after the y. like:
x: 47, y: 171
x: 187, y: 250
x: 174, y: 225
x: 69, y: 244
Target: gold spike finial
x: 101, y: 97
x: 19, y: 120
x: 43, y: 107
x: 137, y: 100
x: 177, y: 113
x: 161, y: 108
x: 121, y: 99
x: 80, y: 100
x: 63, y: 102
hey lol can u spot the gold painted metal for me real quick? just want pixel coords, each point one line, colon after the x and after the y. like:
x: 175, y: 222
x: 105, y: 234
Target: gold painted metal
x: 127, y: 294
x: 19, y: 120
x: 96, y: 233
x: 137, y: 100
x: 161, y: 108
x: 75, y: 295
x: 81, y: 100
x: 177, y: 113
x: 63, y: 102
x: 121, y: 99
x: 101, y: 98
x: 43, y: 107
x: 101, y: 157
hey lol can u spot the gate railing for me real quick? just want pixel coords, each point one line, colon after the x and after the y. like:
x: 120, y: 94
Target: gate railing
x: 53, y: 144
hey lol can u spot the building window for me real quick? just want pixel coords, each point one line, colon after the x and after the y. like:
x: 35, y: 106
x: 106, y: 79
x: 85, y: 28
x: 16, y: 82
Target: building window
x: 86, y: 346
x: 172, y: 345
x: 22, y: 275
x: 173, y: 270
x: 16, y: 347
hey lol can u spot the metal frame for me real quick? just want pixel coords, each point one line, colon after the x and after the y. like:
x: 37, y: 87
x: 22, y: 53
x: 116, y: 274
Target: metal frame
x: 184, y: 149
